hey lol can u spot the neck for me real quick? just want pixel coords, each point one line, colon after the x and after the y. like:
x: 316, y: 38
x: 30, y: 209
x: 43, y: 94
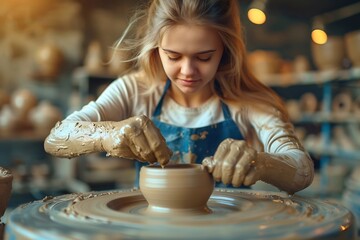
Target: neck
x: 190, y: 100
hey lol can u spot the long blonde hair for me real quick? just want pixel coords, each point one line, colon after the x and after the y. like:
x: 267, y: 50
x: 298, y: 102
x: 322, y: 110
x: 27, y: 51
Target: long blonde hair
x: 234, y: 81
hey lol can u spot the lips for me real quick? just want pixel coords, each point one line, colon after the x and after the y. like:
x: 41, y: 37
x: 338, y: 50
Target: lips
x: 188, y: 83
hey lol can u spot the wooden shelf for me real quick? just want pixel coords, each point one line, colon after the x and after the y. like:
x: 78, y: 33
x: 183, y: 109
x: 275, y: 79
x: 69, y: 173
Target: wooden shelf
x: 312, y: 77
x: 321, y: 117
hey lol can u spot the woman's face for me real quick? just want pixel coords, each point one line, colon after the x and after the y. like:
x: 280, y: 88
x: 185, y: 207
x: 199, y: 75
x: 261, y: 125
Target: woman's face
x: 190, y: 56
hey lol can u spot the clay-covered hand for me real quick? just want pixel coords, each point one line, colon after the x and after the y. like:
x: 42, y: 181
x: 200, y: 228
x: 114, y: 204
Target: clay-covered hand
x: 137, y: 138
x: 234, y: 162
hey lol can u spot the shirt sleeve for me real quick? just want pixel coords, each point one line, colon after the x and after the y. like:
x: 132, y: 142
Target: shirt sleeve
x: 115, y: 103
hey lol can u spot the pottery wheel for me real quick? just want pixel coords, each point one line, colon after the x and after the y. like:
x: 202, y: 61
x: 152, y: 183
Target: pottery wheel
x: 234, y: 213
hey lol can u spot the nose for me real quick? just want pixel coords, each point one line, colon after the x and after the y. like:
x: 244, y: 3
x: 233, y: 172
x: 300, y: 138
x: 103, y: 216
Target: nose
x: 188, y: 68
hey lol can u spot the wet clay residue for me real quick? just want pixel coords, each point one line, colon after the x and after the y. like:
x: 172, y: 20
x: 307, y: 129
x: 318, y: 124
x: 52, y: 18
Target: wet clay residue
x: 201, y: 136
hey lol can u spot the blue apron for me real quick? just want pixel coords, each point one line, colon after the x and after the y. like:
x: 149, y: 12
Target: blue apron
x: 192, y: 145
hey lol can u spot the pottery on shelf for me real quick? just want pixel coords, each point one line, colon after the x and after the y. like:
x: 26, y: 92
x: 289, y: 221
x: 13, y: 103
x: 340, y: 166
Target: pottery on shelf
x: 4, y: 98
x: 49, y: 59
x: 5, y: 189
x: 93, y: 61
x: 181, y: 189
x: 352, y: 45
x: 301, y: 64
x: 308, y: 103
x: 23, y: 101
x: 264, y: 63
x: 329, y: 56
x: 44, y: 116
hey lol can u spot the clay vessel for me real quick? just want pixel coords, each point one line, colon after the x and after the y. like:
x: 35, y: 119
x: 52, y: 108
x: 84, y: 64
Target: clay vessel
x: 308, y: 103
x: 5, y: 189
x: 352, y: 43
x: 22, y: 101
x: 301, y: 64
x: 93, y: 61
x: 44, y: 116
x: 264, y: 63
x: 180, y: 189
x: 4, y: 98
x: 329, y: 56
x: 49, y: 59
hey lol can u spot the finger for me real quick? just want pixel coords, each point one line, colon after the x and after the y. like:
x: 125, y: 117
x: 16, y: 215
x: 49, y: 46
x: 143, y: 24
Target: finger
x: 138, y: 144
x: 219, y: 156
x: 252, y: 177
x: 229, y: 163
x: 227, y: 170
x: 157, y: 143
x: 242, y: 167
x: 209, y: 164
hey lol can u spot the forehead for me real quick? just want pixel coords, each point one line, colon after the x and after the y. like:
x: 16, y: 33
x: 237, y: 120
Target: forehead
x: 190, y: 38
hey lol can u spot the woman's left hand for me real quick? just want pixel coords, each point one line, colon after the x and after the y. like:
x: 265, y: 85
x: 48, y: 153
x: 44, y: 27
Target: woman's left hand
x: 234, y: 162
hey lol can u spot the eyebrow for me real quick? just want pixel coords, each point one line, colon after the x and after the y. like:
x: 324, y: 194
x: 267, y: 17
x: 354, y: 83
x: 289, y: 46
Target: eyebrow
x: 202, y: 52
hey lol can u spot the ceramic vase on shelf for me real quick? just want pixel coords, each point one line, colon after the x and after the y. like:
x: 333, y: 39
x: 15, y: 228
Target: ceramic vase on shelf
x: 93, y: 62
x: 49, y: 59
x: 329, y: 56
x: 44, y: 117
x: 352, y: 43
x: 264, y: 63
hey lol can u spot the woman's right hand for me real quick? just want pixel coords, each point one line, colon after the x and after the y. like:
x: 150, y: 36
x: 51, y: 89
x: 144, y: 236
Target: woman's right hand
x: 136, y: 138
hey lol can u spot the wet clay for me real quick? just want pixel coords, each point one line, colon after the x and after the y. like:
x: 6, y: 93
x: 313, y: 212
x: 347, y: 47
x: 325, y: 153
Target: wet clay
x: 5, y: 189
x: 122, y: 215
x: 179, y: 189
x: 133, y: 138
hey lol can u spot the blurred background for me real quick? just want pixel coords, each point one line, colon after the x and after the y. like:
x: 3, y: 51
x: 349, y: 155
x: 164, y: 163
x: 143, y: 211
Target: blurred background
x: 52, y: 63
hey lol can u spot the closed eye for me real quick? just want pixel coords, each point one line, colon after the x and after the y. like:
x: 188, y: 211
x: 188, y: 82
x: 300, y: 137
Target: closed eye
x: 173, y: 58
x: 204, y: 59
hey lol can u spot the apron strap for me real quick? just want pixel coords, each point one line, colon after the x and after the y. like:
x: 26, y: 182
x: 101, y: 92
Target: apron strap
x: 226, y: 111
x: 160, y: 103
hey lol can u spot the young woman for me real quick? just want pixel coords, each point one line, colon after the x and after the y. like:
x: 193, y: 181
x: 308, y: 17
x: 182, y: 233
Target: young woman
x: 190, y: 97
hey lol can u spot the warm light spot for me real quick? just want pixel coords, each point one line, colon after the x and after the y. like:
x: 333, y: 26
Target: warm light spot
x: 319, y: 36
x: 256, y: 16
x: 343, y: 228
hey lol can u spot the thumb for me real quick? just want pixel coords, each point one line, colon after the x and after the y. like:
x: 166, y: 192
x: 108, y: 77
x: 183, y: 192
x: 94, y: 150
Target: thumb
x: 209, y: 164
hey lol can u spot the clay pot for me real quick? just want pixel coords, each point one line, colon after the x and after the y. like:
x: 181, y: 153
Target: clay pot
x: 5, y: 189
x: 181, y: 189
x: 293, y: 108
x: 264, y: 63
x: 44, y: 117
x: 93, y: 61
x: 342, y: 105
x: 352, y: 44
x: 301, y: 64
x: 49, y: 59
x: 22, y: 101
x: 308, y: 103
x: 4, y: 98
x: 329, y: 56
x: 8, y: 120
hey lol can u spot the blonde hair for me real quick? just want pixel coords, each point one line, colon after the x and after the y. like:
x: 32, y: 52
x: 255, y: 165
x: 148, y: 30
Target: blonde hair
x: 234, y: 81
